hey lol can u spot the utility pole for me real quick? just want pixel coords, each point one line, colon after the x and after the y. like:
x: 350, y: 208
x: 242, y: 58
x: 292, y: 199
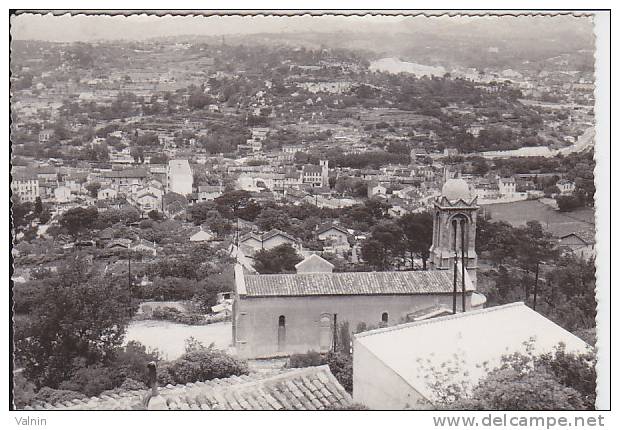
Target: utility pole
x: 335, y: 333
x: 129, y: 261
x: 454, y: 292
x: 463, y: 260
x: 536, y: 285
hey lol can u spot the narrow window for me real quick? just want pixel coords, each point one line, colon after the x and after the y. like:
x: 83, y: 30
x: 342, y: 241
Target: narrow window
x: 384, y: 317
x: 325, y: 333
x: 281, y: 333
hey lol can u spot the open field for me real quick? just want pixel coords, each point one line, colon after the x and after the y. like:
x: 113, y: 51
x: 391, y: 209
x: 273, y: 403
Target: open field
x: 558, y: 223
x: 169, y: 338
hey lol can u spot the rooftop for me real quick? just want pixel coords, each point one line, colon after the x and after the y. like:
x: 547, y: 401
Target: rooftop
x: 351, y: 283
x: 473, y: 338
x: 310, y: 388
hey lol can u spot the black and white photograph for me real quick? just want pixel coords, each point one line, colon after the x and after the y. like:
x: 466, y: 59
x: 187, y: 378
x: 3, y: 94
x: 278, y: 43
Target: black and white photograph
x: 254, y: 211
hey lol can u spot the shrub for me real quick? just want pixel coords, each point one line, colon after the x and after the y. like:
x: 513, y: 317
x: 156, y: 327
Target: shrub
x: 92, y: 380
x: 309, y: 359
x: 131, y: 362
x: 172, y: 314
x: 201, y: 363
x: 341, y: 366
x: 23, y: 391
x: 52, y: 396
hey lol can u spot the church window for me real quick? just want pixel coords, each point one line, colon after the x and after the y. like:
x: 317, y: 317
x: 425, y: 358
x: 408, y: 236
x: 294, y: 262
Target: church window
x: 281, y: 332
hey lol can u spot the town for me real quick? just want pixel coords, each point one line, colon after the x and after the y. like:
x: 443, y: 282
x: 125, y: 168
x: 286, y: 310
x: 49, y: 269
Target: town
x: 313, y: 226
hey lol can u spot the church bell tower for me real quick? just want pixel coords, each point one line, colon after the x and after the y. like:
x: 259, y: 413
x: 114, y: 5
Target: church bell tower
x: 454, y: 228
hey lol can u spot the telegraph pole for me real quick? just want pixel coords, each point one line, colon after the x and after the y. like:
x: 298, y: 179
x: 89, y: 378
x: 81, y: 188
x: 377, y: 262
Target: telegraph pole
x: 335, y: 333
x: 536, y: 285
x: 463, y: 260
x: 454, y: 292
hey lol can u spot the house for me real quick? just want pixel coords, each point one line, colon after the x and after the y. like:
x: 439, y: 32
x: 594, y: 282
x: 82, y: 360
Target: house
x: 283, y: 314
x: 310, y: 388
x: 62, y: 194
x: 507, y: 186
x: 45, y: 135
x: 180, y: 177
x: 119, y: 244
x: 26, y: 186
x: 106, y: 194
x: 565, y: 186
x: 312, y: 175
x: 145, y: 247
x: 335, y: 236
x: 581, y: 244
x: 396, y: 367
x: 126, y: 180
x: 201, y: 236
x: 314, y: 264
x: 255, y: 242
x: 376, y: 189
x: 208, y: 192
x: 148, y: 202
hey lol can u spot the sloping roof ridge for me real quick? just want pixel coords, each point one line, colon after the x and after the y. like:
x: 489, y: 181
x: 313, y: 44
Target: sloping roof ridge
x: 438, y: 319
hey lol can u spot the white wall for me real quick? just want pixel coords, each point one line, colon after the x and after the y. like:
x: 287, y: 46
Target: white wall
x: 378, y: 387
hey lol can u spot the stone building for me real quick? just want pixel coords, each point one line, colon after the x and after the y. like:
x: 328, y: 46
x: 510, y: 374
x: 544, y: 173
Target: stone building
x: 454, y: 228
x: 283, y: 314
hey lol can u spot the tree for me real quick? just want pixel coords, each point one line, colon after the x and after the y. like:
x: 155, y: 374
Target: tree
x: 523, y: 381
x: 200, y: 211
x: 155, y: 215
x: 384, y: 246
x: 569, y: 203
x: 418, y: 235
x: 78, y: 317
x: 230, y: 203
x: 137, y: 152
x: 79, y: 219
x: 93, y: 188
x: 271, y: 218
x: 508, y: 389
x: 38, y: 206
x: 159, y: 159
x: 280, y: 259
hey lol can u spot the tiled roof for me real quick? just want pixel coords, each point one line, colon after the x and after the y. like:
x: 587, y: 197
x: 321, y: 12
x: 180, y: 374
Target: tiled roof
x: 351, y: 283
x: 128, y: 173
x: 310, y: 388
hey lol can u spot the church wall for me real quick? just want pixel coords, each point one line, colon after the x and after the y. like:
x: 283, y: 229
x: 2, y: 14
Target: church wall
x: 256, y: 318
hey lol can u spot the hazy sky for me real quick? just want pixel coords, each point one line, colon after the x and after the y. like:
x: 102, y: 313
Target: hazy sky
x: 67, y: 28
x: 72, y: 28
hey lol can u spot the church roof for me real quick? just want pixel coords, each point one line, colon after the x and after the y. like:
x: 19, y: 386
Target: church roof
x: 352, y: 283
x: 309, y: 388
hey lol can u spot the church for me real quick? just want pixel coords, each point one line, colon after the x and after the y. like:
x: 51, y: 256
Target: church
x: 282, y: 314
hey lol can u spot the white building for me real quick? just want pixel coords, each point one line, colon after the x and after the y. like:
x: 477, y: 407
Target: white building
x: 180, y: 177
x: 26, y: 187
x: 106, y: 193
x: 397, y: 367
x: 565, y: 186
x: 62, y: 194
x: 507, y: 186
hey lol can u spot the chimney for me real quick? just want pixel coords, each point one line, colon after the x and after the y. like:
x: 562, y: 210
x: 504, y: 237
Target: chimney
x: 152, y: 400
